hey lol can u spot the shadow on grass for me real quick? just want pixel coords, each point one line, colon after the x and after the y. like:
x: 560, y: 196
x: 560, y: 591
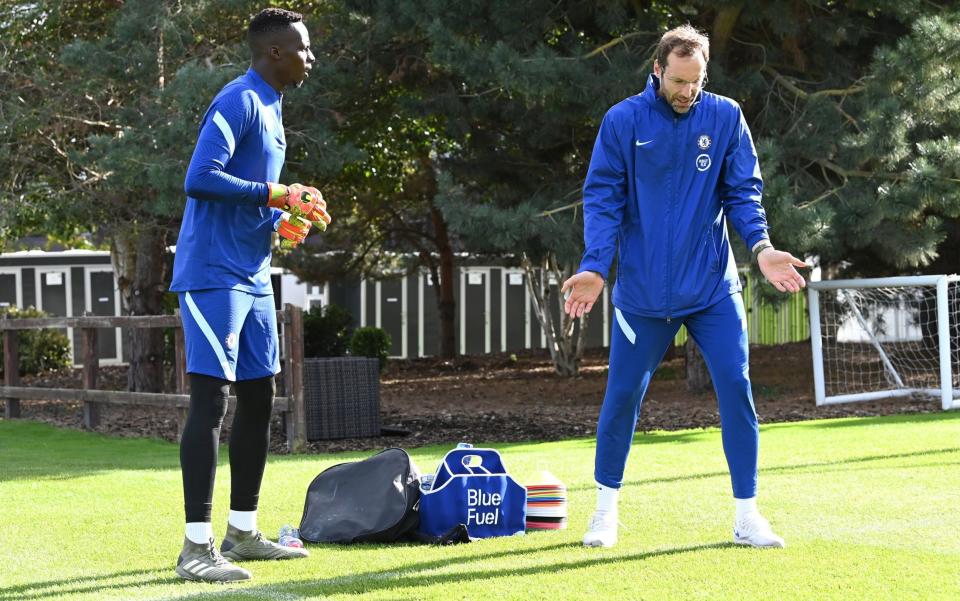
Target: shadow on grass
x: 697, y: 434
x: 53, y: 589
x: 785, y: 469
x: 640, y: 438
x: 878, y: 420
x: 165, y: 575
x: 407, y: 576
x: 410, y: 577
x: 38, y: 451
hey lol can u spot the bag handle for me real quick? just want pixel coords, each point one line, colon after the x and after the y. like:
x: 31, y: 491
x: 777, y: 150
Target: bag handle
x: 458, y: 462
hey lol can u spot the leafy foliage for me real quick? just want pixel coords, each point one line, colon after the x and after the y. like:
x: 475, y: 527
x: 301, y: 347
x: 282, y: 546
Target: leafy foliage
x: 326, y: 331
x: 40, y: 350
x: 435, y: 127
x: 371, y: 342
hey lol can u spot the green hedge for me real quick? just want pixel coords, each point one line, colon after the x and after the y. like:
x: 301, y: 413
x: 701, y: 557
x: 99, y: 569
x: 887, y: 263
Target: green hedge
x: 40, y: 350
x: 371, y: 342
x: 326, y: 331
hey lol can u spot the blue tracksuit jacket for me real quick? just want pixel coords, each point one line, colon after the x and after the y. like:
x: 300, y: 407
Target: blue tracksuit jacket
x: 658, y: 191
x: 227, y: 228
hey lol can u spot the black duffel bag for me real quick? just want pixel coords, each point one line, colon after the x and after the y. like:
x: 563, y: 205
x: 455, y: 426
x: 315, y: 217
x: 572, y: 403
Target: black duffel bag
x: 374, y: 500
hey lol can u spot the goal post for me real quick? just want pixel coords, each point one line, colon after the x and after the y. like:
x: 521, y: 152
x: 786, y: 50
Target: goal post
x: 886, y: 337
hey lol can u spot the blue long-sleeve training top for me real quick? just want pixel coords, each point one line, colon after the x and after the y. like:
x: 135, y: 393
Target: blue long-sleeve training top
x: 227, y: 228
x: 658, y: 192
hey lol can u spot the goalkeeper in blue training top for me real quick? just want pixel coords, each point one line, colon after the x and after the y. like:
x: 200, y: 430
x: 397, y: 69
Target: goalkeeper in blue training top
x: 670, y: 167
x: 222, y: 275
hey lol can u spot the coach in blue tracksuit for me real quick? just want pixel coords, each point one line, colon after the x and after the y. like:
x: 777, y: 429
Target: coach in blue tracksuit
x: 222, y: 275
x: 669, y: 168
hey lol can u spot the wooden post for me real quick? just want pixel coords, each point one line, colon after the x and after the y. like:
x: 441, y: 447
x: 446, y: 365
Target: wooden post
x: 11, y: 370
x: 296, y: 362
x: 296, y: 418
x: 91, y: 363
x: 180, y: 369
x: 289, y: 423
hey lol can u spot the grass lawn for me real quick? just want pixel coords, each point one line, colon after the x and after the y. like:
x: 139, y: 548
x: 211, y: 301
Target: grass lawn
x: 870, y: 509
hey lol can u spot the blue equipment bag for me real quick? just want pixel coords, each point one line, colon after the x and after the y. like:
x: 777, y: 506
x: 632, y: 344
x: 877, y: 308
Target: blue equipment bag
x: 472, y: 487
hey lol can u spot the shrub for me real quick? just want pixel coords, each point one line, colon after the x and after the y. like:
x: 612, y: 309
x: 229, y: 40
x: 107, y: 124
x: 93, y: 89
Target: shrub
x: 40, y: 350
x: 326, y: 331
x: 371, y: 342
x: 170, y: 305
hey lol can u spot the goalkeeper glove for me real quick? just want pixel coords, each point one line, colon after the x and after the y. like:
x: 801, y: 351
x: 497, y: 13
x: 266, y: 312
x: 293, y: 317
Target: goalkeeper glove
x: 299, y: 201
x: 293, y: 230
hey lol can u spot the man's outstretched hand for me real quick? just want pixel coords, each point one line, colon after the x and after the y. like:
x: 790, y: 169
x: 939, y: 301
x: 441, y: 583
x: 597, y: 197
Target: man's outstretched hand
x: 584, y: 288
x: 779, y: 268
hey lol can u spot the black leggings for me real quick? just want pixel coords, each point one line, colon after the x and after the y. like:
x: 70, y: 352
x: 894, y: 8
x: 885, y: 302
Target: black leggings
x: 249, y: 441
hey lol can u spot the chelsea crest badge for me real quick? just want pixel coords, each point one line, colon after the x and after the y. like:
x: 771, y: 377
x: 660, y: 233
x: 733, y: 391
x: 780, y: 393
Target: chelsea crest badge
x: 704, y: 142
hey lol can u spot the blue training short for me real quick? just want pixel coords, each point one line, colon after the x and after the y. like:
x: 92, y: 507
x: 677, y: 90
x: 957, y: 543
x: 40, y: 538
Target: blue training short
x: 230, y: 334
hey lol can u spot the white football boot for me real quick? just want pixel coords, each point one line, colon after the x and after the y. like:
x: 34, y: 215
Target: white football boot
x: 601, y: 530
x: 754, y: 530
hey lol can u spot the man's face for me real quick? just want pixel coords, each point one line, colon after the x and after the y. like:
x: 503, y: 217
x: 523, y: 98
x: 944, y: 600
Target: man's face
x: 293, y: 55
x: 681, y: 79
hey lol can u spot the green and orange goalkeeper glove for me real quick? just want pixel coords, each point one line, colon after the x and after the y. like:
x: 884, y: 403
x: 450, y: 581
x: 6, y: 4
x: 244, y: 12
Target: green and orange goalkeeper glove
x: 300, y: 201
x: 292, y: 230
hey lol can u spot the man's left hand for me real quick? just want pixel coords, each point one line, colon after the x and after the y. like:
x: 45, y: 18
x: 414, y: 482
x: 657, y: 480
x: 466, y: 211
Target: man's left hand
x: 293, y: 231
x: 779, y: 268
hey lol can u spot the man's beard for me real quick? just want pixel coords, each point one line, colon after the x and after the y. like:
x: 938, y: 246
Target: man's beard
x: 681, y: 106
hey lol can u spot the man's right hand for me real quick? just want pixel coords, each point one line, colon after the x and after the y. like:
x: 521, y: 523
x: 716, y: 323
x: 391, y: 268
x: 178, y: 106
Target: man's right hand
x: 584, y: 289
x: 306, y: 200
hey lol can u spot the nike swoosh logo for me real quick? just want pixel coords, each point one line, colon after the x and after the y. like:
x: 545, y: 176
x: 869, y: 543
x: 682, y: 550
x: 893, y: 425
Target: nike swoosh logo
x: 639, y: 143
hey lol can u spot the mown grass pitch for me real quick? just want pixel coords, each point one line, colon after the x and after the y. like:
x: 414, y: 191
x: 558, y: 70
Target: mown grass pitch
x: 870, y: 509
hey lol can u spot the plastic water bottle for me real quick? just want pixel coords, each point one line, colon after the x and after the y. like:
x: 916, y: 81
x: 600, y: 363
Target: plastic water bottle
x: 464, y: 445
x: 426, y: 482
x: 290, y: 536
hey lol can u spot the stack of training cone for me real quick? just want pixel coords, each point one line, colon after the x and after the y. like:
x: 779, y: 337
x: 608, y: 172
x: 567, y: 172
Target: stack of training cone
x: 547, y: 504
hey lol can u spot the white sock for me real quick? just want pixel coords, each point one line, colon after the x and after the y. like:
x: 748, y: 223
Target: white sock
x: 607, y: 498
x: 199, y: 532
x: 243, y: 520
x: 745, y: 506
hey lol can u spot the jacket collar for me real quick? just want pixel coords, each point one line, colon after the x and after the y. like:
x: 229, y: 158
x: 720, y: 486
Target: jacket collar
x: 265, y: 90
x: 651, y: 94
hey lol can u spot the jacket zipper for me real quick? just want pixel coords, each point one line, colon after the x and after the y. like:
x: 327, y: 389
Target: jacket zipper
x: 673, y: 198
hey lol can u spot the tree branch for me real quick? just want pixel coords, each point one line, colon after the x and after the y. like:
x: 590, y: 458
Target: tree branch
x: 800, y: 93
x: 827, y: 194
x: 83, y: 180
x: 614, y: 42
x: 854, y: 89
x: 89, y: 122
x: 568, y: 207
x: 848, y: 173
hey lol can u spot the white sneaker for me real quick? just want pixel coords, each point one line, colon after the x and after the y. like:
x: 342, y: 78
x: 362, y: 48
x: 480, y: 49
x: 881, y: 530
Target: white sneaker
x: 754, y: 530
x: 601, y: 530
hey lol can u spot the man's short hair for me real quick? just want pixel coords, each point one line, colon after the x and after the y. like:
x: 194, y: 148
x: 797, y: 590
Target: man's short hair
x: 685, y: 41
x: 270, y: 20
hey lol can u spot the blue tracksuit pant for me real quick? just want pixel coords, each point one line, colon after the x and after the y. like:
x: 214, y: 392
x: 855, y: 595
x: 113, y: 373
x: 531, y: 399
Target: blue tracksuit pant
x: 636, y: 349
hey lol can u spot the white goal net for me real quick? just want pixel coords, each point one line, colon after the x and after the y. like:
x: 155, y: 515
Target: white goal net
x: 886, y: 337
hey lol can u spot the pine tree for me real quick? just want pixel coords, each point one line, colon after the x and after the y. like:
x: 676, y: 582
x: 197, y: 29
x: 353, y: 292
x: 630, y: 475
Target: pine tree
x: 473, y: 124
x: 439, y: 126
x: 106, y: 96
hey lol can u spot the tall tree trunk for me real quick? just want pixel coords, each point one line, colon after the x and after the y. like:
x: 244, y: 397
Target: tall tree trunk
x: 698, y: 378
x: 723, y: 26
x: 564, y: 352
x: 446, y: 304
x: 137, y: 253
